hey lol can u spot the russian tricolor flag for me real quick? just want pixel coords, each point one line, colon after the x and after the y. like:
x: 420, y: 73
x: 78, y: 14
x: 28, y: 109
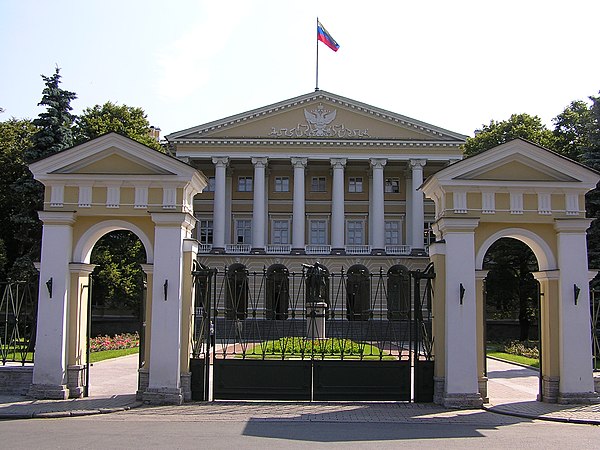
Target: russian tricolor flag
x: 325, y: 37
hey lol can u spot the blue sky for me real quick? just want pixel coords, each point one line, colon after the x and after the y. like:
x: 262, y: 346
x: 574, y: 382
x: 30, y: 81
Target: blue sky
x: 454, y: 64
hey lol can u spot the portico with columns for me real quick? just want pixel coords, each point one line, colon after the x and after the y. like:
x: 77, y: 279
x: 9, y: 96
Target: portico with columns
x: 318, y: 175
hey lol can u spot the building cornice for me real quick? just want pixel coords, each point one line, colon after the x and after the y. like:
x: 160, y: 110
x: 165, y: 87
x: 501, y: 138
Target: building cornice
x: 328, y: 143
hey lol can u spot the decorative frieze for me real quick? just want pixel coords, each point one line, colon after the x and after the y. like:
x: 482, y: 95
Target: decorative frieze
x: 459, y: 200
x: 544, y: 203
x: 572, y: 201
x: 85, y: 196
x: 516, y: 203
x: 57, y: 195
x: 488, y: 202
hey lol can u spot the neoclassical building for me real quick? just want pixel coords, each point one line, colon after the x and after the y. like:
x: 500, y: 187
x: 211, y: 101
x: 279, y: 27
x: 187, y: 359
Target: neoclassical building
x: 317, y: 175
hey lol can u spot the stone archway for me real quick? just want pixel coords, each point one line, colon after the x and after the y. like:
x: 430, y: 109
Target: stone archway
x: 106, y: 184
x: 526, y: 192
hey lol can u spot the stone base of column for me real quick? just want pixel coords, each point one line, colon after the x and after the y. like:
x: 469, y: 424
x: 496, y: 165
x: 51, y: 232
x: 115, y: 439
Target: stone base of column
x: 48, y: 391
x: 338, y: 251
x: 462, y: 401
x: 143, y: 383
x: 578, y: 398
x: 163, y: 396
x: 298, y: 251
x: 438, y: 390
x: 186, y: 386
x: 418, y: 252
x: 217, y: 251
x: 549, y: 389
x: 258, y: 251
x: 76, y: 380
x: 378, y: 252
x: 483, y: 382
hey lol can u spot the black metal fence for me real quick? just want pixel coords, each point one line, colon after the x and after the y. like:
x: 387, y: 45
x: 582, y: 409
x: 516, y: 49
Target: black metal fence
x: 18, y: 313
x: 277, y: 326
x: 595, y: 314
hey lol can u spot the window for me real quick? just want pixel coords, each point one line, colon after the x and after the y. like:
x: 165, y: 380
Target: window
x: 244, y: 184
x: 355, y: 184
x: 205, y: 231
x: 392, y: 185
x: 392, y: 232
x: 318, y: 184
x: 318, y: 235
x: 210, y: 187
x: 282, y: 184
x: 354, y: 232
x: 281, y: 232
x: 428, y: 234
x: 243, y: 231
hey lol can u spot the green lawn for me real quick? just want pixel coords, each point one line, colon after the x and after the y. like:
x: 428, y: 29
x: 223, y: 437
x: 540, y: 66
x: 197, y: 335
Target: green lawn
x: 109, y: 354
x: 515, y: 358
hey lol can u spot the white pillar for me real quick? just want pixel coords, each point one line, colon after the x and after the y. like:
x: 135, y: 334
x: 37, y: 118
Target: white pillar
x: 165, y: 331
x: 408, y: 209
x: 575, y: 346
x: 417, y: 209
x: 219, y: 204
x: 378, y: 220
x: 258, y: 206
x: 298, y: 212
x: 338, y: 231
x: 50, y: 368
x: 461, y: 376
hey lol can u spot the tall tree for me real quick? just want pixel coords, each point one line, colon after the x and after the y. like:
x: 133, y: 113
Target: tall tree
x: 127, y: 120
x: 571, y: 129
x: 522, y: 126
x: 54, y: 125
x: 19, y: 226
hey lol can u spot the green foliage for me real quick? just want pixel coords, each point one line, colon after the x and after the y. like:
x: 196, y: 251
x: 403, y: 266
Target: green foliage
x: 571, y: 129
x: 522, y: 348
x: 518, y: 359
x: 54, y: 125
x: 126, y: 120
x: 110, y: 354
x: 510, y: 286
x: 522, y: 126
x: 20, y: 229
x: 118, y: 279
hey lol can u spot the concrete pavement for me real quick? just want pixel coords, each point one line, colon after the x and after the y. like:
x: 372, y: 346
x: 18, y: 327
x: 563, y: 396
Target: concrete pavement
x: 512, y: 391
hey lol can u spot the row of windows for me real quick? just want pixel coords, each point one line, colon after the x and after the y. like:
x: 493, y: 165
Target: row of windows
x: 355, y: 232
x: 317, y: 184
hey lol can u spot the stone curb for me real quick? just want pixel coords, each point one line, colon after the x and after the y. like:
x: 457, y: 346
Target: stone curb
x: 546, y: 418
x: 73, y: 413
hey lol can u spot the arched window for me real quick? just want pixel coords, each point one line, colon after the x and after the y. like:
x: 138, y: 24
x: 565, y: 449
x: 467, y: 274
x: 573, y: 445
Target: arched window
x: 278, y: 292
x: 236, y: 292
x: 398, y: 293
x: 358, y: 293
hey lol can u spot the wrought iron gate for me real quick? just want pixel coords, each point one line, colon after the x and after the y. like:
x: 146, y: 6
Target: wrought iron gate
x: 18, y: 314
x: 313, y: 335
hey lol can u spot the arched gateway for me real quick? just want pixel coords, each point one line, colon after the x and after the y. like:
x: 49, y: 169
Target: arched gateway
x: 114, y: 183
x: 522, y: 191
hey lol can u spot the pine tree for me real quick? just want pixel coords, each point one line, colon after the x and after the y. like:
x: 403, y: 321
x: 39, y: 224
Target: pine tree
x: 55, y: 124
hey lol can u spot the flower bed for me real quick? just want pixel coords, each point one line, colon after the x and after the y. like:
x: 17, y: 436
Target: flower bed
x: 117, y: 342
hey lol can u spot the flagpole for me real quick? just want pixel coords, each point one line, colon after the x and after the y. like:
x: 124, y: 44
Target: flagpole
x: 317, y: 75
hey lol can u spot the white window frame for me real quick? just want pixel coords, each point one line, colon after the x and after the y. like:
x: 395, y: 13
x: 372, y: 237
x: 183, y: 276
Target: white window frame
x: 246, y: 236
x: 351, y: 232
x: 211, y: 186
x: 282, y: 184
x: 355, y: 184
x: 245, y: 184
x: 315, y: 182
x: 393, y: 227
x: 391, y: 183
x: 205, y: 231
x: 311, y: 223
x: 275, y: 236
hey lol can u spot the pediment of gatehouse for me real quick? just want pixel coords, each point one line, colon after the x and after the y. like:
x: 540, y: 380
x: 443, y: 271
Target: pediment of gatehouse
x: 318, y: 115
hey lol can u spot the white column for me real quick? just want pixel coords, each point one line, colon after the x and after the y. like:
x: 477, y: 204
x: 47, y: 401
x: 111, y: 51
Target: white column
x: 378, y: 221
x: 165, y: 331
x: 50, y: 369
x: 298, y: 212
x: 408, y: 209
x: 461, y: 383
x: 417, y: 209
x: 338, y: 231
x: 575, y: 346
x: 258, y: 206
x: 219, y: 204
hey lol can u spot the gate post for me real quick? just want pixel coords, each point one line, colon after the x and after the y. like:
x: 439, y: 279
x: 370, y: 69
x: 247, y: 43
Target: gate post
x: 190, y: 250
x: 50, y: 368
x: 164, y: 383
x: 461, y: 387
x: 480, y: 276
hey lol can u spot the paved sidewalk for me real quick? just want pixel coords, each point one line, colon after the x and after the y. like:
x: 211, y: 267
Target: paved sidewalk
x: 512, y: 391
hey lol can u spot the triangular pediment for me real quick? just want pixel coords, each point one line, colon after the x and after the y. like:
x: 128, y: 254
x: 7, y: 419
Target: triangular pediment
x: 517, y: 163
x: 111, y: 155
x: 113, y: 161
x: 320, y: 115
